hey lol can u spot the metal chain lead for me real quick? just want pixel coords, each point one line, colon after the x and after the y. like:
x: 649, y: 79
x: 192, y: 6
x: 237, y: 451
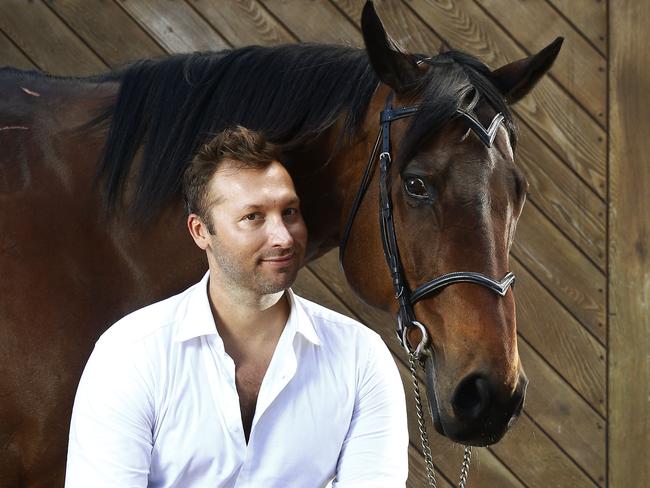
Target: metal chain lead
x: 464, y: 469
x: 424, y: 438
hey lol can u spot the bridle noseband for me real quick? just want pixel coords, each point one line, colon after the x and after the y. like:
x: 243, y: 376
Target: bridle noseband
x: 406, y: 317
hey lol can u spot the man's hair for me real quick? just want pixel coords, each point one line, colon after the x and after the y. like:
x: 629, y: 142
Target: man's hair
x: 241, y: 147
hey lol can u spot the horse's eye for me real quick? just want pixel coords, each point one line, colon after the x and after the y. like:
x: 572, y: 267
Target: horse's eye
x: 415, y: 187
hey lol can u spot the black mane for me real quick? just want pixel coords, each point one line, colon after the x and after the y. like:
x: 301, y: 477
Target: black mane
x: 292, y: 93
x: 170, y: 106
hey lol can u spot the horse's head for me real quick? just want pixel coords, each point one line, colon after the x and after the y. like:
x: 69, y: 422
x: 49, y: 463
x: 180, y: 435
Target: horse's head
x: 456, y: 197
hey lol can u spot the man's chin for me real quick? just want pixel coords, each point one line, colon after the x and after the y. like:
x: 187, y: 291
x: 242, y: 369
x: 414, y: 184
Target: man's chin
x: 282, y: 281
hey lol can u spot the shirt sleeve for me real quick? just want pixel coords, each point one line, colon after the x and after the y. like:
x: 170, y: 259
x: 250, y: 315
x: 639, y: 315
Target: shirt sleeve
x: 375, y: 450
x: 111, y: 437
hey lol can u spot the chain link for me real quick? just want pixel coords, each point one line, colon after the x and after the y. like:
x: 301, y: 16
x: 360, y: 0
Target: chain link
x: 464, y: 469
x: 424, y: 438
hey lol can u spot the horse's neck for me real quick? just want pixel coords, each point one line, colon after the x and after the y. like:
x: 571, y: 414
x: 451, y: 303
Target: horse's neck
x: 323, y: 182
x: 48, y: 190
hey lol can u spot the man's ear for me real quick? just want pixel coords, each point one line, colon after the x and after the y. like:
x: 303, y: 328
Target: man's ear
x: 394, y: 67
x: 516, y: 79
x: 199, y: 231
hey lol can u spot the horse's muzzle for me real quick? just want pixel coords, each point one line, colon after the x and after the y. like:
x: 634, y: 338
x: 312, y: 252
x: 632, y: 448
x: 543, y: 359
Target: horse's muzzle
x: 480, y: 414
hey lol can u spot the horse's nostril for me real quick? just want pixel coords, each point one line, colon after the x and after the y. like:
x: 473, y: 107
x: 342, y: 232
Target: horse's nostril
x: 472, y: 398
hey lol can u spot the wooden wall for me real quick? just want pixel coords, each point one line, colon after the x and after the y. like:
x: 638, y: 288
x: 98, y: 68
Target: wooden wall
x: 562, y: 254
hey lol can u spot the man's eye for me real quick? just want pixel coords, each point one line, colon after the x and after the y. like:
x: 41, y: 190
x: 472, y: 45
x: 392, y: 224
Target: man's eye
x: 253, y: 216
x: 415, y: 187
x: 290, y: 212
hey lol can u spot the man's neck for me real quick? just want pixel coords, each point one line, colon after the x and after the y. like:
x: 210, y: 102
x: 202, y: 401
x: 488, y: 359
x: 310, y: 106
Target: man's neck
x: 248, y: 324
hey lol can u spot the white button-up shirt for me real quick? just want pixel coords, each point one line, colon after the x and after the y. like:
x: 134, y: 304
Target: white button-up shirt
x: 157, y: 405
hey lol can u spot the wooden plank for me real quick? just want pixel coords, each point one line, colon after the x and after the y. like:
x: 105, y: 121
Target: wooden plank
x: 590, y: 16
x: 567, y: 273
x: 46, y: 40
x: 315, y: 21
x: 174, y: 25
x: 417, y: 474
x: 554, y: 412
x: 629, y: 231
x: 10, y: 55
x: 400, y: 22
x: 555, y: 334
x: 580, y: 69
x: 564, y: 198
x: 107, y: 29
x: 243, y: 22
x: 565, y: 418
x: 552, y: 114
x: 534, y: 458
x: 446, y: 455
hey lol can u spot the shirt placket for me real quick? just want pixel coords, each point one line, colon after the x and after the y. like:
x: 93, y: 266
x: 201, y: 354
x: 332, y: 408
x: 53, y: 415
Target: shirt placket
x: 280, y: 372
x: 224, y: 393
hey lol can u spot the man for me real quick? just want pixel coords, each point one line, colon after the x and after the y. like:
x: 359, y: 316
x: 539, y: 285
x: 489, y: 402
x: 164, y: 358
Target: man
x: 238, y: 381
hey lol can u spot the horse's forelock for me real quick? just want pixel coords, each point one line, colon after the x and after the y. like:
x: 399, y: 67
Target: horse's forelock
x: 454, y: 80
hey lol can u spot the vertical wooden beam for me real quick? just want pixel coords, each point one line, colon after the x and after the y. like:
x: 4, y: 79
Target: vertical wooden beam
x: 629, y: 244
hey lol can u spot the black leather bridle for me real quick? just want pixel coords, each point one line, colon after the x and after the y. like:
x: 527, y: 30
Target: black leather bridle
x: 407, y: 298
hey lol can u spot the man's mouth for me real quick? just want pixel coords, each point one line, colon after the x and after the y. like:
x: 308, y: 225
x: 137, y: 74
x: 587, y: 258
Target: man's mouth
x: 280, y: 259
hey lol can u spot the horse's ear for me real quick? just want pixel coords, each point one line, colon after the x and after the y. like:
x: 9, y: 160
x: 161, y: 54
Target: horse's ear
x: 516, y: 79
x: 393, y: 66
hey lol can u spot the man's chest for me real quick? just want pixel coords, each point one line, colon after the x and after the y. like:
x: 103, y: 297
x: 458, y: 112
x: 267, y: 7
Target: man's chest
x: 199, y: 428
x: 248, y: 379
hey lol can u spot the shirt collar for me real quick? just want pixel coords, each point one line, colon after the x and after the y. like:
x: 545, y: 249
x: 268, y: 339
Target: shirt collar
x: 195, y: 315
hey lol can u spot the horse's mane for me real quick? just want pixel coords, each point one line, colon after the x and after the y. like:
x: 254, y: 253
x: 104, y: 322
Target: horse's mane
x: 292, y: 93
x: 171, y: 106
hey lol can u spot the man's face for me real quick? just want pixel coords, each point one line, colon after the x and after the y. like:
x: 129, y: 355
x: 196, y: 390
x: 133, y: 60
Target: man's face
x: 259, y: 235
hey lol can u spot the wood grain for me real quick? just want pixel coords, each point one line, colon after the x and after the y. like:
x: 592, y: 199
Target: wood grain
x: 174, y: 25
x: 106, y: 28
x: 243, y: 22
x: 563, y: 269
x: 560, y: 339
x: 629, y: 266
x: 571, y: 423
x: 47, y: 40
x: 532, y: 456
x: 590, y: 16
x: 314, y: 21
x: 400, y: 22
x: 581, y: 69
x: 10, y: 55
x: 572, y: 206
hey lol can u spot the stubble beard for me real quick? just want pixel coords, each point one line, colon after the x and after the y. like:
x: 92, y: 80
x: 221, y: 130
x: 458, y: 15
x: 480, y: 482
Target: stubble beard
x: 255, y: 280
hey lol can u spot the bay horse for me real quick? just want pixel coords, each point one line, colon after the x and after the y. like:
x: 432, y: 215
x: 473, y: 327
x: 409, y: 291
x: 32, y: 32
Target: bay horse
x: 92, y: 225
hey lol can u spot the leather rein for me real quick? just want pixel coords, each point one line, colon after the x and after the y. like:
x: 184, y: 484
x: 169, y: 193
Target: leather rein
x: 406, y: 318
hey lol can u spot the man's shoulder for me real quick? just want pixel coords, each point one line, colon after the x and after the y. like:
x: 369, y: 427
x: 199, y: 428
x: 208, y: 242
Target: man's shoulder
x: 152, y: 321
x: 332, y: 324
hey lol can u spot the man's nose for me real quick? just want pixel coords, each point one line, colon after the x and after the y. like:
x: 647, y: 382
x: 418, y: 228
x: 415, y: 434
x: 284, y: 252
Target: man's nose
x: 279, y: 234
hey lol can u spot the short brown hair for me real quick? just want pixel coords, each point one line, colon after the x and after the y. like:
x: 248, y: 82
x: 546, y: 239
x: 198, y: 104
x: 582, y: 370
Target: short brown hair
x: 244, y: 147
